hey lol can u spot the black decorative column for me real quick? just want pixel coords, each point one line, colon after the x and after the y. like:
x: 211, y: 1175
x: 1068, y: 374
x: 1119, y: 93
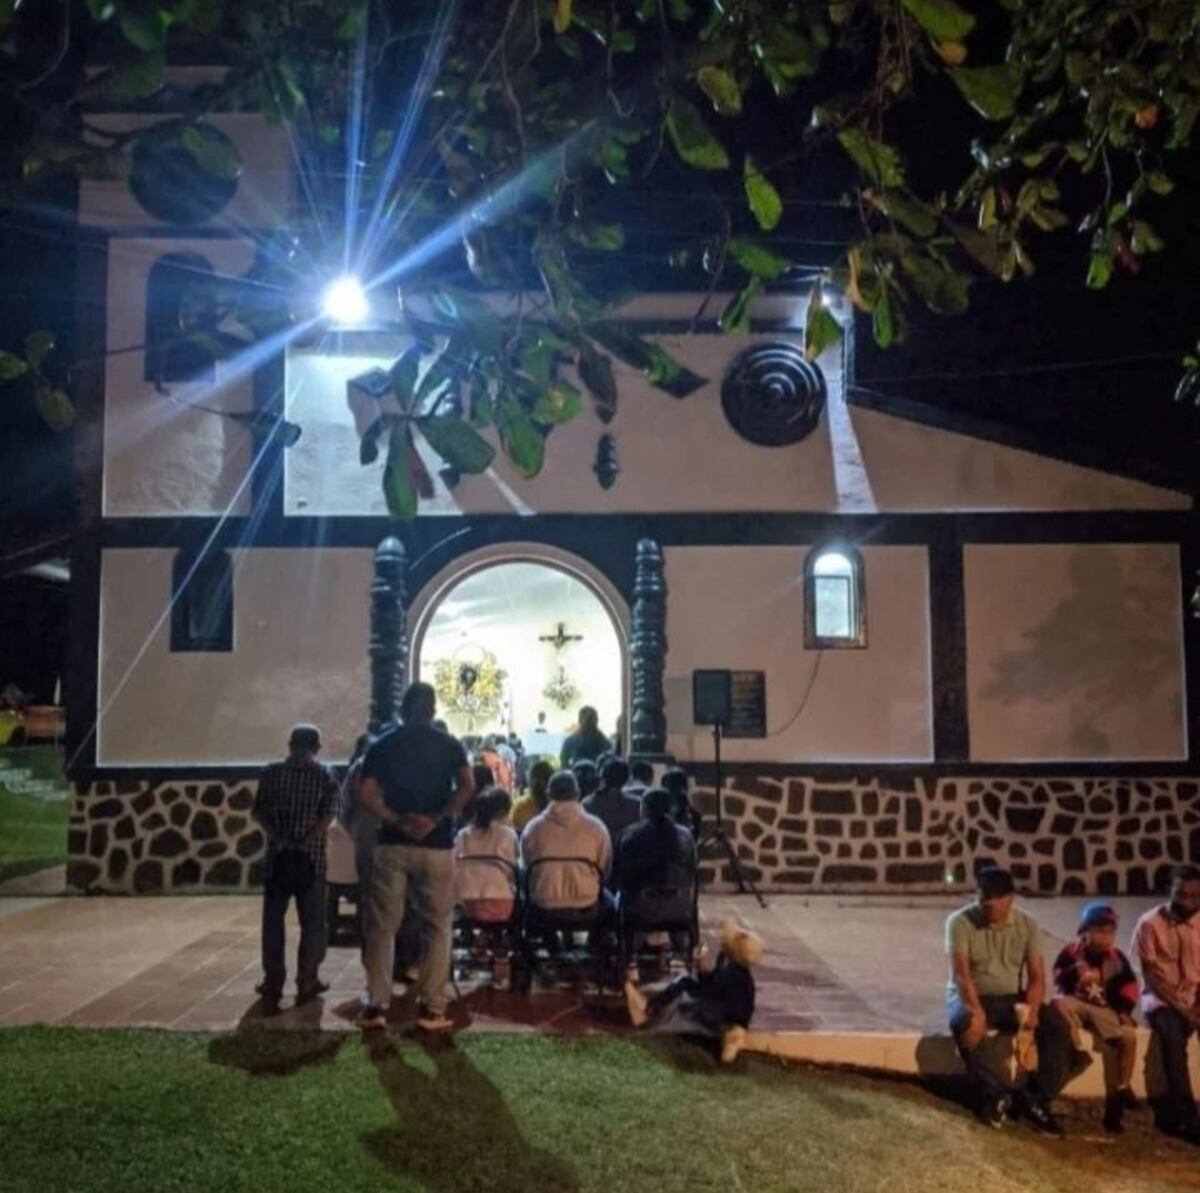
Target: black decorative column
x: 648, y: 652
x: 389, y: 641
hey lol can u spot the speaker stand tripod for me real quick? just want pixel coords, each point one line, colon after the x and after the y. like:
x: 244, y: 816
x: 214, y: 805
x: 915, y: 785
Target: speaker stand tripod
x: 718, y: 838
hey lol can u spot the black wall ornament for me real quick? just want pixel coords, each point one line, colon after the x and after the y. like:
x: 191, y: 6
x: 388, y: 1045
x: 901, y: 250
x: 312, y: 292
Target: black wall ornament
x: 606, y: 466
x: 772, y: 395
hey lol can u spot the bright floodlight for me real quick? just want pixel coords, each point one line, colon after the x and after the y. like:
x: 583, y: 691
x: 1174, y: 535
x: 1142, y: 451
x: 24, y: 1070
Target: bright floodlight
x: 345, y: 301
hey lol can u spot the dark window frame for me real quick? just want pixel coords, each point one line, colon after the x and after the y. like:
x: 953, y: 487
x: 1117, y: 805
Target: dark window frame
x: 857, y: 640
x: 206, y: 580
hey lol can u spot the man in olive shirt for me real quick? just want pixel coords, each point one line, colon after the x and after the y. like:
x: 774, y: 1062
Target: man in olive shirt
x: 996, y: 965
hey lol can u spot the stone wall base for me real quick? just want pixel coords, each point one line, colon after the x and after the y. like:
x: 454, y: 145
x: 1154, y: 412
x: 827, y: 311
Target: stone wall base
x: 1059, y: 836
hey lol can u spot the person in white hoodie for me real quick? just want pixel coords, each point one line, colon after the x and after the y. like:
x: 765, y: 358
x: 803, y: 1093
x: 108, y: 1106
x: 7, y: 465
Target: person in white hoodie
x: 565, y: 830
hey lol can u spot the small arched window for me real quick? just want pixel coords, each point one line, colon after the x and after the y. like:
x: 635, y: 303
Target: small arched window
x: 835, y: 609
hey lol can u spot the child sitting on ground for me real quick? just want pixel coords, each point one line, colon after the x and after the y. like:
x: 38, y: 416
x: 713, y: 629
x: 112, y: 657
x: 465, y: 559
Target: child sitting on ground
x: 719, y: 1001
x: 1097, y: 989
x: 486, y: 888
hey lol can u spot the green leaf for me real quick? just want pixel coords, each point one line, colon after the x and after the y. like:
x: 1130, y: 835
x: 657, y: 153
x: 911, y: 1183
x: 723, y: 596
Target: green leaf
x: 12, y: 366
x: 911, y: 214
x: 762, y: 196
x: 214, y: 154
x: 660, y: 368
x: 943, y: 20
x: 399, y: 488
x: 940, y: 287
x: 38, y: 345
x: 55, y: 407
x: 821, y: 329
x: 1144, y: 239
x: 144, y: 27
x: 458, y: 443
x: 381, y: 142
x: 879, y: 162
x: 559, y: 402
x: 692, y: 138
x: 603, y: 237
x: 523, y: 442
x: 1159, y: 182
x: 404, y: 375
x: 136, y: 79
x: 883, y: 320
x: 1100, y: 269
x: 757, y: 260
x: 991, y: 90
x: 562, y: 16
x: 721, y: 88
x: 595, y: 371
x: 735, y: 318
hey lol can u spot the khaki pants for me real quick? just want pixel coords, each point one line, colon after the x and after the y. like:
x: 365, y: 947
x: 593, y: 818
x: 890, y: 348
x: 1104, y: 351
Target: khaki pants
x: 1118, y: 1040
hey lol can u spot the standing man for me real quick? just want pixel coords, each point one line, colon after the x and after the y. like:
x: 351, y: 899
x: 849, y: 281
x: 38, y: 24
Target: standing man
x: 587, y: 742
x: 295, y: 803
x: 1166, y: 944
x: 416, y: 779
x: 998, y: 980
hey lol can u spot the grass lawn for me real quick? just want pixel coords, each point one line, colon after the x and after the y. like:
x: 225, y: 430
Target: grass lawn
x: 33, y: 828
x: 276, y: 1110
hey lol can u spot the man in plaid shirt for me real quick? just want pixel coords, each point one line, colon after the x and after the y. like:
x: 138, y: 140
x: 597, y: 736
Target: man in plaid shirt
x: 295, y: 803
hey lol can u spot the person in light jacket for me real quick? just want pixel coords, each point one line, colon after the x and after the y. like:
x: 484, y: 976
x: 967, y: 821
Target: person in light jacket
x: 565, y: 830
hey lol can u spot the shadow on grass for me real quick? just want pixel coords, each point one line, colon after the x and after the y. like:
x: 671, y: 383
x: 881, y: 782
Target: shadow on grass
x: 263, y: 1052
x: 454, y: 1131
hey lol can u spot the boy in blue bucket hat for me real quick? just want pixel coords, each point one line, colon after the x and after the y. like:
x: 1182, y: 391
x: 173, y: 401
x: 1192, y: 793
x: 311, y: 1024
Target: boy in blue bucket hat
x: 1097, y: 990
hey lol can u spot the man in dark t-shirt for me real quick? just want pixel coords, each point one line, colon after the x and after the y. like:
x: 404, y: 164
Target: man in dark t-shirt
x: 416, y: 779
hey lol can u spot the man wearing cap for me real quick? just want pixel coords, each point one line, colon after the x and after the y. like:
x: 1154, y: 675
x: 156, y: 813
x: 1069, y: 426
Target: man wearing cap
x: 998, y: 981
x: 295, y: 803
x: 1166, y: 943
x: 1097, y: 990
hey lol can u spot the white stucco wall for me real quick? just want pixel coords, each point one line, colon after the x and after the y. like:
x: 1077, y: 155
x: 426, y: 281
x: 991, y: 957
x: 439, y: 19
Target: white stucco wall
x: 1075, y: 652
x: 300, y: 654
x: 742, y: 608
x: 920, y: 468
x: 162, y: 457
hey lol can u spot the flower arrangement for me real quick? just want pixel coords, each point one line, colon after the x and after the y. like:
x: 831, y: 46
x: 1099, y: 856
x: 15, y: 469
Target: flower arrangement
x: 561, y: 690
x: 472, y: 690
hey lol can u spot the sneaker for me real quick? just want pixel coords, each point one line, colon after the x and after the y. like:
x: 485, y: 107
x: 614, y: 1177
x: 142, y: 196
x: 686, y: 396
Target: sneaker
x: 308, y: 993
x: 637, y: 1004
x: 1129, y: 1100
x: 1043, y: 1118
x: 993, y: 1112
x: 372, y: 1019
x: 1113, y: 1110
x: 429, y: 1020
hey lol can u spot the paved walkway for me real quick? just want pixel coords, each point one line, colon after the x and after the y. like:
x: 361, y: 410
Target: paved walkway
x: 833, y: 964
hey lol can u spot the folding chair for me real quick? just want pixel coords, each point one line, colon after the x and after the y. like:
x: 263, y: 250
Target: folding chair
x: 507, y: 931
x: 672, y: 907
x: 596, y: 920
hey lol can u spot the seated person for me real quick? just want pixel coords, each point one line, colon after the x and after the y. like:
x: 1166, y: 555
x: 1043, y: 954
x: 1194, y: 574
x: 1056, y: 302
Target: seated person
x: 1166, y: 943
x: 610, y: 803
x: 493, y: 756
x: 998, y: 980
x: 535, y: 799
x: 1098, y: 989
x: 586, y: 776
x: 565, y: 830
x: 641, y: 776
x: 655, y: 852
x: 486, y: 891
x: 676, y: 781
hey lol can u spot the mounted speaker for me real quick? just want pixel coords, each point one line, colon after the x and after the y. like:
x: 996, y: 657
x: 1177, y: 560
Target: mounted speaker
x: 712, y: 697
x: 772, y: 395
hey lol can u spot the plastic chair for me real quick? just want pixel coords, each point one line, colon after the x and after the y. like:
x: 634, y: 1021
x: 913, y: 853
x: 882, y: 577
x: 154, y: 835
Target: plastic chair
x: 508, y: 930
x: 536, y: 921
x: 672, y: 907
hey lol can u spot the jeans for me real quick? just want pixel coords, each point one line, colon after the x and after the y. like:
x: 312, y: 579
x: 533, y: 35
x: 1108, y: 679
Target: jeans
x: 1178, y: 1108
x: 422, y: 879
x: 311, y: 909
x: 1053, y: 1035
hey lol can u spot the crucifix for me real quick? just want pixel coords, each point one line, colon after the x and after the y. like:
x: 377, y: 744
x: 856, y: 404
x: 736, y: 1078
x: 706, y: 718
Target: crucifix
x: 560, y: 637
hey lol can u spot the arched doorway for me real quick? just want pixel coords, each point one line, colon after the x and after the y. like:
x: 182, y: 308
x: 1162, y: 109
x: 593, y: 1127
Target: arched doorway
x: 513, y: 632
